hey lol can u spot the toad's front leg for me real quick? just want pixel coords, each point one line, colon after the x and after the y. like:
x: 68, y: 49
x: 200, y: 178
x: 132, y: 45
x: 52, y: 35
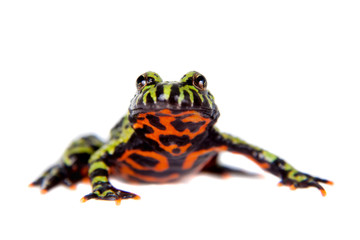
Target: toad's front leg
x: 271, y: 163
x: 73, y: 165
x: 99, y: 177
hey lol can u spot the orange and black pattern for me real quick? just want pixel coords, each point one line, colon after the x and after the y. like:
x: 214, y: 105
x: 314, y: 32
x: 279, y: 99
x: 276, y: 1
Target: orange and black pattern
x: 172, y: 139
x: 168, y: 134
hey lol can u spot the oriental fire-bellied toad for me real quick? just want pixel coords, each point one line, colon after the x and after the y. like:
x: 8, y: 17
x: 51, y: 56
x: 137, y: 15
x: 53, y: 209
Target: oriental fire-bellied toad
x: 167, y: 134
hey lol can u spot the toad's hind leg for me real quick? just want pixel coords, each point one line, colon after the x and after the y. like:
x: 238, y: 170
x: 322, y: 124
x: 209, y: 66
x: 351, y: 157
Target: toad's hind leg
x: 213, y: 167
x: 73, y: 165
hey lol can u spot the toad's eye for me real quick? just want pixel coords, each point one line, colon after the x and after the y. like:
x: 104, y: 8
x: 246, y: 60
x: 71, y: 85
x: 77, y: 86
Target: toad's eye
x: 199, y: 81
x: 144, y: 80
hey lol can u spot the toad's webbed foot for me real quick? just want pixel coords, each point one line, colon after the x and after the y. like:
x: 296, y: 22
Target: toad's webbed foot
x: 58, y: 174
x: 51, y: 178
x: 106, y: 191
x: 73, y: 165
x: 272, y: 164
x: 296, y: 179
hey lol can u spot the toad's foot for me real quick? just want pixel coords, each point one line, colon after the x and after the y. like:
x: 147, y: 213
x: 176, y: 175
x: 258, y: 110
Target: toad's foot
x: 107, y: 192
x: 296, y: 179
x: 52, y: 177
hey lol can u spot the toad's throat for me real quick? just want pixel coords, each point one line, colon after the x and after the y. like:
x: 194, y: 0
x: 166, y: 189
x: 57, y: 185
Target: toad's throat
x: 174, y: 132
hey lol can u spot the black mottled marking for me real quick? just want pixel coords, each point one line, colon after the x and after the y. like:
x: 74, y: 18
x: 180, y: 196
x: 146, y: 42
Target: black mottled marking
x: 148, y: 129
x: 144, y: 161
x: 168, y: 140
x: 178, y: 125
x: 155, y: 121
x: 145, y: 129
x: 147, y: 145
x: 192, y: 126
x: 176, y: 150
x: 197, y: 99
x: 174, y: 94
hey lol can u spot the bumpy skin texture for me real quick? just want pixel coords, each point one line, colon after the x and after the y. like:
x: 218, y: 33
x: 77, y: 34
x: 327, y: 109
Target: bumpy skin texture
x: 168, y: 134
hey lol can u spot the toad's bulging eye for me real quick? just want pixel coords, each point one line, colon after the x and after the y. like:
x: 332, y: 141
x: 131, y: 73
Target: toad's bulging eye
x: 144, y: 80
x: 199, y: 81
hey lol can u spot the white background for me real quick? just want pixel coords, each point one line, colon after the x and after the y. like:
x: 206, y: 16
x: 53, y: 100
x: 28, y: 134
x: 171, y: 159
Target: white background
x: 284, y: 74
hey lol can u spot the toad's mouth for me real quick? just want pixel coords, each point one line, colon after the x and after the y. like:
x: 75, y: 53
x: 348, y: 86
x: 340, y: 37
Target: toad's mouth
x: 172, y: 110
